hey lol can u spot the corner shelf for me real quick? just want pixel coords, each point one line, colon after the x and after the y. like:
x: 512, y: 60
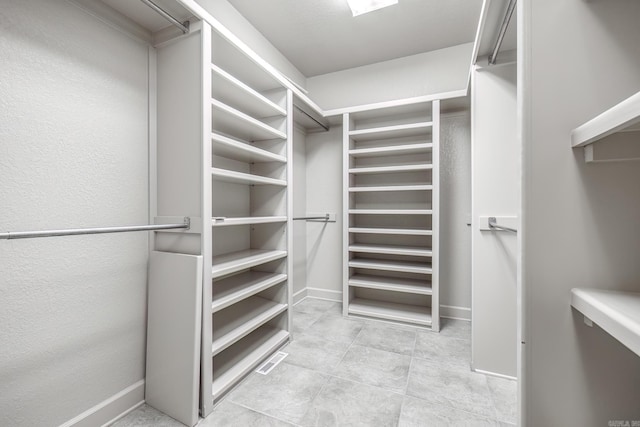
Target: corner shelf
x: 617, y: 312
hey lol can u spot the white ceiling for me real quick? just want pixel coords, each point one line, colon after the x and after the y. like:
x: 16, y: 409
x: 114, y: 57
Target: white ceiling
x: 142, y: 14
x: 321, y: 36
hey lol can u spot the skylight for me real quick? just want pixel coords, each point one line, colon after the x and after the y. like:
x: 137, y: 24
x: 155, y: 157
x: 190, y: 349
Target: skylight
x: 359, y: 7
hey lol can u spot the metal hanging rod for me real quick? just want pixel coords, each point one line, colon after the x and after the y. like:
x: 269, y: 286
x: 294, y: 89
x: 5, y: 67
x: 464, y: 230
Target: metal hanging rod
x: 322, y: 125
x: 503, y: 29
x: 184, y: 26
x: 494, y: 224
x: 304, y: 218
x: 100, y: 230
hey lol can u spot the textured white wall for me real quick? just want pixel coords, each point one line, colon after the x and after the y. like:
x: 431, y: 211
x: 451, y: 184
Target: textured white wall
x: 455, y: 206
x: 228, y: 16
x: 299, y: 209
x: 580, y: 220
x: 73, y: 153
x: 427, y: 73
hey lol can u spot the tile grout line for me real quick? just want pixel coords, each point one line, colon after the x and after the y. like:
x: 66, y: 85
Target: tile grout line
x: 261, y: 413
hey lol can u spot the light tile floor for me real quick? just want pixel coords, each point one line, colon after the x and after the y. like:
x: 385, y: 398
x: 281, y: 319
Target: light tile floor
x: 356, y: 372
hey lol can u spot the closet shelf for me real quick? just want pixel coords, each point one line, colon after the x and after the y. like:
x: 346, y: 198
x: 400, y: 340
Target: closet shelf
x: 388, y: 132
x: 617, y: 312
x: 390, y: 211
x: 237, y: 150
x: 245, y: 355
x: 391, y: 169
x: 391, y: 150
x: 229, y: 221
x: 242, y: 260
x: 386, y: 265
x: 622, y: 117
x: 396, y: 231
x: 230, y: 290
x: 416, y: 187
x: 245, y: 178
x: 230, y: 121
x: 391, y: 250
x: 391, y: 311
x: 244, y: 317
x: 393, y: 284
x: 232, y: 91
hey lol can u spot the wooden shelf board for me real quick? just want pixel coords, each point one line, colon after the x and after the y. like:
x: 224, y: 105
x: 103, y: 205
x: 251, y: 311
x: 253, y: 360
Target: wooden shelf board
x: 391, y: 284
x: 416, y: 187
x: 238, y: 150
x: 391, y: 250
x: 617, y: 312
x: 233, y: 289
x: 622, y: 116
x: 229, y: 221
x: 396, y: 231
x: 391, y: 311
x: 391, y: 150
x: 388, y: 132
x: 390, y: 211
x: 385, y: 265
x: 241, y: 319
x: 237, y: 361
x: 230, y: 121
x: 245, y: 178
x: 242, y: 260
x: 391, y: 169
x: 228, y: 88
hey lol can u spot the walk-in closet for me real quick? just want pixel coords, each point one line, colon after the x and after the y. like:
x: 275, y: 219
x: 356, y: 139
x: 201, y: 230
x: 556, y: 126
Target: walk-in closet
x: 319, y: 213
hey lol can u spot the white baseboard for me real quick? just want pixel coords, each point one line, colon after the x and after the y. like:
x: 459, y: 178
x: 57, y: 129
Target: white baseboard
x: 111, y: 409
x: 493, y: 374
x: 326, y: 294
x: 453, y: 312
x: 299, y: 296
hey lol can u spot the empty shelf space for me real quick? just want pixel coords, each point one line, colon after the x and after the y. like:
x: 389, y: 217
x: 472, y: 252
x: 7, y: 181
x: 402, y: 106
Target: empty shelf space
x: 390, y: 211
x: 382, y: 188
x: 391, y: 311
x: 391, y: 284
x: 396, y: 131
x: 234, y: 122
x: 385, y: 265
x: 621, y: 117
x: 237, y: 361
x: 242, y: 151
x: 617, y: 312
x: 245, y: 178
x: 391, y: 169
x: 230, y: 290
x: 242, y: 260
x: 396, y: 231
x: 244, y: 317
x: 229, y: 89
x: 228, y: 221
x: 391, y: 250
x: 391, y: 150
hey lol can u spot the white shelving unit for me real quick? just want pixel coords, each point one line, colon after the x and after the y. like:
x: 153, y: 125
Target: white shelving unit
x: 391, y: 214
x: 612, y: 135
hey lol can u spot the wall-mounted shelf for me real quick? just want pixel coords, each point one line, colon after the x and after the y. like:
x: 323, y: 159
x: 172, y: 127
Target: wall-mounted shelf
x: 242, y: 260
x: 390, y: 211
x: 617, y: 312
x: 384, y: 265
x: 234, y: 122
x: 613, y: 135
x: 230, y: 290
x: 394, y: 284
x: 238, y: 150
x: 396, y: 131
x: 228, y: 221
x: 398, y: 231
x: 245, y: 178
x: 417, y: 187
x: 391, y: 169
x: 391, y: 150
x: 391, y: 311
